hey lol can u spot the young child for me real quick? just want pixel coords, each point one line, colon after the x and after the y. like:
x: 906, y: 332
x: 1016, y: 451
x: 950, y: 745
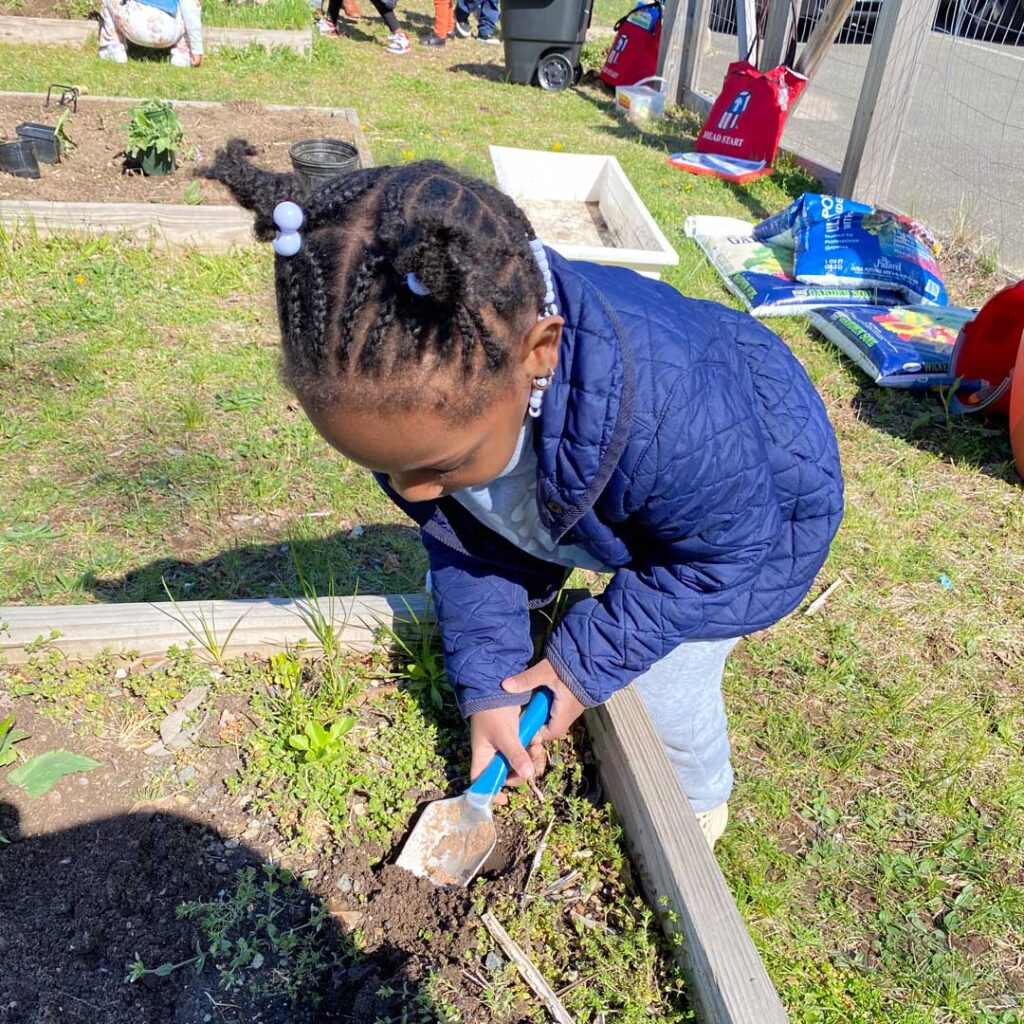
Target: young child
x: 174, y: 25
x: 397, y: 42
x: 486, y: 16
x: 533, y: 415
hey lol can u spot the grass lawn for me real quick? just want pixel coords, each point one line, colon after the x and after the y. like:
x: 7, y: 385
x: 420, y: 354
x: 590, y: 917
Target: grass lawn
x: 877, y: 844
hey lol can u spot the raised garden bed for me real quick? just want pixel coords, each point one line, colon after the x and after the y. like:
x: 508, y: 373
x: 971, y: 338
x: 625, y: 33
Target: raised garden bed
x: 202, y: 828
x: 76, y: 32
x: 59, y: 199
x: 584, y: 207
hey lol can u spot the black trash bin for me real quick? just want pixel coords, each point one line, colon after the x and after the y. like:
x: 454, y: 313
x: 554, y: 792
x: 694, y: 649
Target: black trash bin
x: 543, y: 40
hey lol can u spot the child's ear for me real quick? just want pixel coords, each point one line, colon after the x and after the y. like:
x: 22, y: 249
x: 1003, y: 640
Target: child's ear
x: 540, y: 346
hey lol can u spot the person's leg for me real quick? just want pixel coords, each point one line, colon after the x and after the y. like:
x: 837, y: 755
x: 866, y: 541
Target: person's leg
x: 112, y: 42
x: 443, y: 19
x: 683, y: 695
x: 398, y: 41
x: 181, y: 51
x: 463, y: 9
x: 487, y: 22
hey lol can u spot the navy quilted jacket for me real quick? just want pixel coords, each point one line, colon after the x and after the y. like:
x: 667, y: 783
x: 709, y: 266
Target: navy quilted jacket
x: 682, y: 444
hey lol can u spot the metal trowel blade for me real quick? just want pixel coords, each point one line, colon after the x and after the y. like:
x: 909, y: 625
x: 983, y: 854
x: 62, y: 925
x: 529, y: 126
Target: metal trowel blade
x: 450, y: 842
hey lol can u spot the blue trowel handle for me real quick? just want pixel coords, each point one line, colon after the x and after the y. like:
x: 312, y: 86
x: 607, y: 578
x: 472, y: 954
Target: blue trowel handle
x: 493, y: 777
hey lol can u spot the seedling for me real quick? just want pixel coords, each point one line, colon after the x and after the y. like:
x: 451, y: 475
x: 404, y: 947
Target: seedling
x: 154, y: 135
x: 64, y: 143
x: 8, y: 737
x: 319, y: 745
x: 204, y: 632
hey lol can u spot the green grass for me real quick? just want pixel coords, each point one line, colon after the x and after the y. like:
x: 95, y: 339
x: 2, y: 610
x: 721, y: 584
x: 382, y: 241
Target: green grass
x: 295, y: 14
x: 876, y: 847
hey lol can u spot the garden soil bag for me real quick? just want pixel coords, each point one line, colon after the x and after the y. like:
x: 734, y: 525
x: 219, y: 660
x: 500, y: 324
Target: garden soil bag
x: 760, y: 274
x: 842, y: 244
x: 634, y: 53
x: 896, y: 346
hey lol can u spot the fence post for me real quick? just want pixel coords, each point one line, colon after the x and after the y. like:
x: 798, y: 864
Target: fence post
x: 680, y: 57
x: 901, y: 32
x: 776, y: 34
x: 746, y: 27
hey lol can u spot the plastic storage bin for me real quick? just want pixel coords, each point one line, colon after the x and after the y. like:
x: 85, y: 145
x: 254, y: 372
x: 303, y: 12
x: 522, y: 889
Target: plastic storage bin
x: 639, y: 102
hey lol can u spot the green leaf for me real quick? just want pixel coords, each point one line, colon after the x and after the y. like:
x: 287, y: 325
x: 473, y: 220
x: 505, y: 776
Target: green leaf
x: 298, y: 742
x: 40, y: 774
x: 317, y: 734
x: 163, y: 970
x: 342, y: 726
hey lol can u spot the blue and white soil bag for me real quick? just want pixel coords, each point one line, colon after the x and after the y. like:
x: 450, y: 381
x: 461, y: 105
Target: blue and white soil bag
x: 838, y: 243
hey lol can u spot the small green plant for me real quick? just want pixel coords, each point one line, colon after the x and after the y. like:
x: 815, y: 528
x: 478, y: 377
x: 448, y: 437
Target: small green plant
x: 64, y: 143
x: 421, y: 661
x: 194, y: 193
x: 245, y: 938
x: 8, y: 737
x: 319, y: 745
x: 154, y: 126
x: 204, y: 631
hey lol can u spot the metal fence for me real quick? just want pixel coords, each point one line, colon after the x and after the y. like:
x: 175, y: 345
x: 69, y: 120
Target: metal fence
x: 959, y: 152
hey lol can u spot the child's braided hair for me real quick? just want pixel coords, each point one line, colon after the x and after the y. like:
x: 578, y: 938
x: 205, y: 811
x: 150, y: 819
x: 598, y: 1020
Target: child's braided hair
x: 347, y: 315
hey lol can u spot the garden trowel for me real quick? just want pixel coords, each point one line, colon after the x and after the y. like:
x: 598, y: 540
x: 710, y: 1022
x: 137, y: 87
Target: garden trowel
x: 454, y: 837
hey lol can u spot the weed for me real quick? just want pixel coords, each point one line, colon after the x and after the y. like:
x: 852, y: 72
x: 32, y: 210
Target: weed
x: 8, y: 737
x: 247, y: 937
x: 202, y: 629
x: 194, y: 193
x: 421, y: 663
x: 320, y: 745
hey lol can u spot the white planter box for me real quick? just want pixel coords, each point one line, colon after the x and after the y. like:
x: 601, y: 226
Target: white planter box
x: 584, y: 207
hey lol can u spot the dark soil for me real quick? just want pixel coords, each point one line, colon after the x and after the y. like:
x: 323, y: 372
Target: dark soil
x: 94, y: 171
x: 92, y: 877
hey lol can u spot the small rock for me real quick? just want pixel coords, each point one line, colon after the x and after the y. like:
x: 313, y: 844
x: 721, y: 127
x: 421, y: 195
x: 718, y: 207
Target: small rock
x: 230, y: 844
x: 345, y: 884
x: 493, y: 962
x: 158, y: 750
x: 187, y: 774
x: 193, y: 698
x: 356, y: 531
x: 121, y: 673
x: 220, y: 867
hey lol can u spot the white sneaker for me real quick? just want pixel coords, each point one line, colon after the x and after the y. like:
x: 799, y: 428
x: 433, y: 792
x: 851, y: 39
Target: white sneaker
x: 398, y: 42
x: 180, y: 60
x: 712, y: 823
x: 115, y: 52
x: 326, y: 27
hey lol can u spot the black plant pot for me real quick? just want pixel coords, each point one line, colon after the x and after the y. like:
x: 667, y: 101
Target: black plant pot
x: 19, y: 159
x: 158, y: 163
x: 44, y: 141
x: 319, y: 160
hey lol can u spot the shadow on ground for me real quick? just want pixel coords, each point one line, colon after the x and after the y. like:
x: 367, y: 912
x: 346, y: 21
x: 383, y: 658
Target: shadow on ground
x: 382, y: 559
x: 80, y: 905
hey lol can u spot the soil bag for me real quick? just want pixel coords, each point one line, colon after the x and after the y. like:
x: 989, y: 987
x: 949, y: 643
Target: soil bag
x: 843, y: 244
x: 896, y: 346
x: 634, y: 53
x: 760, y: 274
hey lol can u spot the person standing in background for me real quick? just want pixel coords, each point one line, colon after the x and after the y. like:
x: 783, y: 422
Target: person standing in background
x: 487, y: 19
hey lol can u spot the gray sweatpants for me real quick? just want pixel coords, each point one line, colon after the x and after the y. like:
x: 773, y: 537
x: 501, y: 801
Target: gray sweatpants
x: 683, y: 696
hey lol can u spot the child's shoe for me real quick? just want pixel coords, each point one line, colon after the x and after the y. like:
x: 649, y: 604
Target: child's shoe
x: 433, y: 40
x: 398, y: 42
x: 327, y: 27
x: 462, y: 26
x: 712, y: 823
x: 114, y: 52
x: 490, y: 38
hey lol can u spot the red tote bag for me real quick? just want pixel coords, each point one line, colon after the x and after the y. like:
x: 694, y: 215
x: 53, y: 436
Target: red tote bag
x: 634, y: 54
x: 747, y: 119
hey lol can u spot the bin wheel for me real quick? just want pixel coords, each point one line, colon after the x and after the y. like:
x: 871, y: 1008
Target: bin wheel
x: 554, y: 73
x: 577, y: 75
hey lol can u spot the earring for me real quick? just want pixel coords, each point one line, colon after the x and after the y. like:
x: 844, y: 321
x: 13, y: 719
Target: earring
x: 540, y: 385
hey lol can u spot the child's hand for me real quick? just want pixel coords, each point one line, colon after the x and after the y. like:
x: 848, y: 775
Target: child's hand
x: 498, y: 730
x: 566, y: 708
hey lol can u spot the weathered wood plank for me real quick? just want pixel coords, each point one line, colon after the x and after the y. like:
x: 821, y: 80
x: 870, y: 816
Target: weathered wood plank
x: 729, y: 982
x: 149, y: 629
x: 66, y: 32
x: 822, y: 37
x: 777, y: 32
x: 902, y: 29
x: 214, y: 228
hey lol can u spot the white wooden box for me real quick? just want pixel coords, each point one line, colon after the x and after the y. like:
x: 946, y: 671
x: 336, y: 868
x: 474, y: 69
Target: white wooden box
x: 584, y: 207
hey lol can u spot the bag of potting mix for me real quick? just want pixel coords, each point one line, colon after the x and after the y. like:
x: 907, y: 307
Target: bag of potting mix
x: 843, y: 244
x: 760, y: 274
x: 896, y: 346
